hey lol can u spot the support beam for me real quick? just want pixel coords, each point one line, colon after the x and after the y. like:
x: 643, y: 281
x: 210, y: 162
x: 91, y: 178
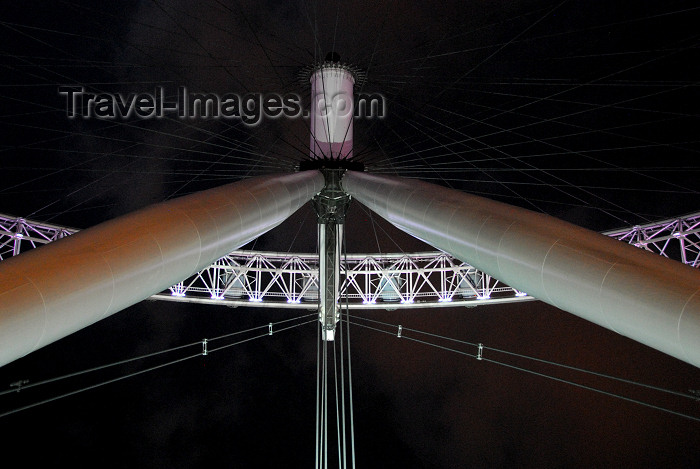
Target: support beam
x: 57, y: 289
x: 331, y: 205
x: 648, y: 298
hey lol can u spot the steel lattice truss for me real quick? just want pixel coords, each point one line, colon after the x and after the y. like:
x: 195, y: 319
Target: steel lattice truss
x: 18, y: 235
x: 677, y: 238
x: 370, y: 281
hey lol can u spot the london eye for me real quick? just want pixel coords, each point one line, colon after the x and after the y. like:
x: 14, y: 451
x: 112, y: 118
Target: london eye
x: 447, y: 238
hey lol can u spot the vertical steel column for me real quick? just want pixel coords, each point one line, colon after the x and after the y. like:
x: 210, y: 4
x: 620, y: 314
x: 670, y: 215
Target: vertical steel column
x: 646, y: 297
x: 331, y: 206
x: 329, y: 236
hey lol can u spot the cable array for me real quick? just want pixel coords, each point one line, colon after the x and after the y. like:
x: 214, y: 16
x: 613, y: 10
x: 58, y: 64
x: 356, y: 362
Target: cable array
x: 480, y: 353
x: 269, y: 329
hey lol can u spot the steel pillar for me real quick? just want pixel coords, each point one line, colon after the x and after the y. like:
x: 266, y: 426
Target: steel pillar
x: 57, y: 289
x: 646, y: 297
x: 331, y: 205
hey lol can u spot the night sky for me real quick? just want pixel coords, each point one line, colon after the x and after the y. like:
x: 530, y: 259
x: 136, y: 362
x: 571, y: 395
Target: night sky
x: 584, y: 110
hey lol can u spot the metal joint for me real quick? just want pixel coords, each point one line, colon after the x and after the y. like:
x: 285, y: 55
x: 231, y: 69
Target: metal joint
x: 331, y: 204
x: 19, y: 384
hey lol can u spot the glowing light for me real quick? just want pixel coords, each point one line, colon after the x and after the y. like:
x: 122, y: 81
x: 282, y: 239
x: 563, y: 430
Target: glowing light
x: 444, y: 300
x: 520, y: 293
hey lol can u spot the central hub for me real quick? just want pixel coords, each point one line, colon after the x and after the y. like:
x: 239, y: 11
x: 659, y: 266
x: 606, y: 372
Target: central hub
x: 331, y: 204
x: 331, y: 152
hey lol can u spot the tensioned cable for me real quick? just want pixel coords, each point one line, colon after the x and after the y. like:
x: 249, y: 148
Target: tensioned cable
x: 101, y: 367
x: 161, y: 29
x: 554, y: 202
x: 97, y: 194
x: 582, y: 370
x: 547, y: 36
x: 367, y: 71
x: 141, y: 357
x: 510, y: 189
x: 602, y: 106
x: 230, y: 166
x: 607, y: 188
x: 434, y: 45
x: 325, y: 402
x: 588, y: 83
x: 51, y: 71
x: 347, y: 331
x: 588, y: 130
x: 538, y: 121
x: 206, y: 170
x: 610, y: 169
x: 189, y: 35
x: 376, y: 224
x: 197, y: 142
x: 585, y: 131
x: 46, y: 401
x: 69, y: 134
x: 480, y: 356
x: 503, y: 46
x: 560, y: 153
x: 344, y: 464
x: 272, y: 65
x: 153, y: 145
x: 214, y: 173
x: 337, y: 409
x: 155, y: 367
x: 318, y: 390
x: 554, y: 186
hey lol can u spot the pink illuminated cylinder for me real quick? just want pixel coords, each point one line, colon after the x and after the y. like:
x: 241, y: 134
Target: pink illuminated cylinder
x: 332, y: 110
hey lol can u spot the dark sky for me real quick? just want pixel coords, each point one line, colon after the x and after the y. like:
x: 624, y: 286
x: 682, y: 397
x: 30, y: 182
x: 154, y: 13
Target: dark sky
x: 584, y: 110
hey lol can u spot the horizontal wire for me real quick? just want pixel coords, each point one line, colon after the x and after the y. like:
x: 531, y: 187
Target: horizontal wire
x: 156, y: 367
x: 600, y: 391
x: 101, y: 367
x: 77, y: 391
x: 573, y: 383
x: 542, y: 184
x: 262, y: 326
x: 264, y: 335
x: 594, y: 373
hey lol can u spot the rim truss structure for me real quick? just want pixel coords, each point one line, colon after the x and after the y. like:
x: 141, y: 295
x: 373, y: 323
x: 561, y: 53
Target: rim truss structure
x: 370, y: 281
x: 18, y: 235
x: 677, y: 238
